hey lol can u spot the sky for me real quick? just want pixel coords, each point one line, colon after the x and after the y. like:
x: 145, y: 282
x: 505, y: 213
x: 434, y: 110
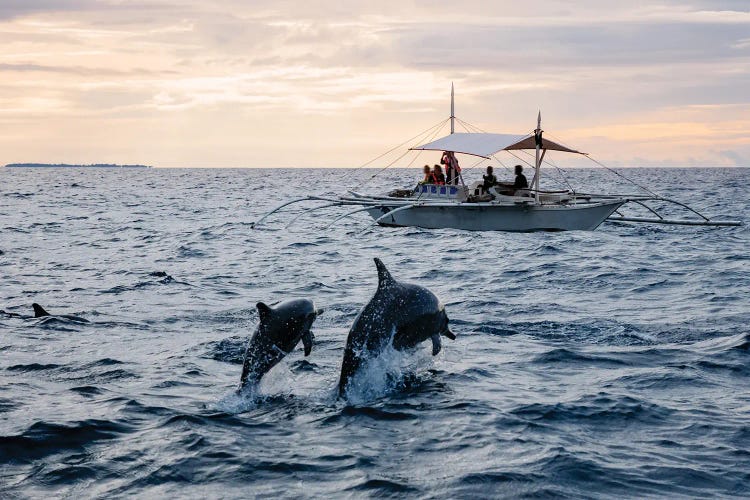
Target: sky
x: 260, y: 83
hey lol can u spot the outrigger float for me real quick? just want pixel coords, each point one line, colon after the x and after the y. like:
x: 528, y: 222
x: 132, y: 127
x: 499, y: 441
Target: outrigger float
x: 459, y: 206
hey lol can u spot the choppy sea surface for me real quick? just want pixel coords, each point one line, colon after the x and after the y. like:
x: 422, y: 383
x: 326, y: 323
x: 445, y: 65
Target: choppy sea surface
x: 611, y: 363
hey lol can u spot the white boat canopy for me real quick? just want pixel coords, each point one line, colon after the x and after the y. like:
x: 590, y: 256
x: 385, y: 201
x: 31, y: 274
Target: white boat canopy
x: 485, y: 145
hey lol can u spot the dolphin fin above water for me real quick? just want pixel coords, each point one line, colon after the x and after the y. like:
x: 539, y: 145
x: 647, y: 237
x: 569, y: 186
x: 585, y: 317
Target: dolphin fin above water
x: 384, y: 276
x: 263, y: 310
x: 39, y: 311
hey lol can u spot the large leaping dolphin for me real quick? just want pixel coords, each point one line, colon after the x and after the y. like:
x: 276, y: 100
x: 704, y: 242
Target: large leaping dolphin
x: 399, y: 314
x: 279, y: 331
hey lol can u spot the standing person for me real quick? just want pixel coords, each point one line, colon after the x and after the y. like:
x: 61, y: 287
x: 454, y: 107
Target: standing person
x: 446, y: 160
x: 452, y: 168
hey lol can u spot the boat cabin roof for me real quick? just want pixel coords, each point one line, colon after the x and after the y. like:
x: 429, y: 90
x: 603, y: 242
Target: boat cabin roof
x: 485, y: 145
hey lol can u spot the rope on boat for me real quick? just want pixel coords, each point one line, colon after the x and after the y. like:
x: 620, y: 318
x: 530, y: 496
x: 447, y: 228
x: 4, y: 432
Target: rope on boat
x: 620, y: 175
x: 560, y: 171
x: 431, y: 137
x: 435, y: 128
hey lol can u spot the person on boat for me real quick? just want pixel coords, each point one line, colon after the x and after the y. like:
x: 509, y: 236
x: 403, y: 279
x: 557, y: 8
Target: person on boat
x: 428, y: 177
x: 520, y: 182
x: 489, y: 179
x: 451, y: 167
x: 437, y: 175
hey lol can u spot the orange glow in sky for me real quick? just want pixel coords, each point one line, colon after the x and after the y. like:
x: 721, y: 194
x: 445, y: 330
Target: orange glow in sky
x: 293, y: 84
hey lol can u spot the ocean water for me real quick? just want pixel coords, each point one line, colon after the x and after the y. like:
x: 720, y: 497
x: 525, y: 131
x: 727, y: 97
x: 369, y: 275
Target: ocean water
x: 612, y: 363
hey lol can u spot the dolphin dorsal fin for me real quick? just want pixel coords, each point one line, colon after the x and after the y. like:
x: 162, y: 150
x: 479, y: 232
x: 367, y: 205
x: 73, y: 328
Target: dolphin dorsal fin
x: 384, y: 277
x: 263, y: 310
x: 39, y: 311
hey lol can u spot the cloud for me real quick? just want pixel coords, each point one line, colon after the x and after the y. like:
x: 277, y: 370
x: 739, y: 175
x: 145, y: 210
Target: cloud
x: 626, y: 71
x: 736, y: 159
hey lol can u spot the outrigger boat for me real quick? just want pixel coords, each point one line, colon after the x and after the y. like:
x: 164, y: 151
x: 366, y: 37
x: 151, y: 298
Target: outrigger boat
x: 470, y: 207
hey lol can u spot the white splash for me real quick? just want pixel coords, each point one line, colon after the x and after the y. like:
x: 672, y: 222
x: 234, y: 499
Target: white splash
x: 382, y: 374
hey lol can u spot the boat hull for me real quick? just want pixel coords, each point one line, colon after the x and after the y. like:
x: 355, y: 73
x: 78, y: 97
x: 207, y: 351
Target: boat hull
x: 488, y: 217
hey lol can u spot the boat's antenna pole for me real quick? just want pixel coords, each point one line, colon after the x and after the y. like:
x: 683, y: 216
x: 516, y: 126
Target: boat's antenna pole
x: 538, y: 141
x: 453, y: 111
x: 453, y: 128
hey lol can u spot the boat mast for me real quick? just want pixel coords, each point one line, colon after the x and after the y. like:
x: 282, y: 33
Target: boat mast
x: 538, y: 141
x: 453, y: 111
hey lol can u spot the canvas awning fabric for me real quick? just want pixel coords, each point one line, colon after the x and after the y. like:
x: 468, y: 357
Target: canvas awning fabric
x: 485, y: 145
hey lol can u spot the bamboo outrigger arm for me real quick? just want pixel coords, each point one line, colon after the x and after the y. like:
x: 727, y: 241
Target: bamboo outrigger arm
x: 682, y: 222
x: 661, y: 220
x: 391, y: 212
x: 305, y: 212
x: 344, y: 216
x: 298, y: 200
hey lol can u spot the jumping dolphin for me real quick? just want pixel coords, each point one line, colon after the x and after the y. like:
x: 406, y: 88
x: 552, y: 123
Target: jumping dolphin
x: 399, y: 313
x: 39, y: 312
x: 279, y: 331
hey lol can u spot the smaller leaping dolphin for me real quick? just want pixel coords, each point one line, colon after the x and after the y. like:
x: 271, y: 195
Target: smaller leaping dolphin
x: 279, y: 330
x: 399, y: 313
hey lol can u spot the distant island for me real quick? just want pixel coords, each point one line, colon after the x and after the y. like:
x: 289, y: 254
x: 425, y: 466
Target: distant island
x: 66, y: 165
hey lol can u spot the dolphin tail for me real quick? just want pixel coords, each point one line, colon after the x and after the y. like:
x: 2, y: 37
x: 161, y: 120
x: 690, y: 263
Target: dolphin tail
x: 39, y: 311
x: 307, y: 341
x: 384, y: 277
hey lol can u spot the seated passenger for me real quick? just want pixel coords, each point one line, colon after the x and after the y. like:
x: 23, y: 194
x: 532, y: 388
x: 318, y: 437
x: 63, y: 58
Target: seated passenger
x: 520, y: 182
x: 427, y: 175
x: 489, y: 179
x: 437, y: 175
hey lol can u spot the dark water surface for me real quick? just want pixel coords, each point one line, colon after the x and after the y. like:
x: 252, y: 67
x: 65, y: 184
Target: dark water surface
x: 587, y: 364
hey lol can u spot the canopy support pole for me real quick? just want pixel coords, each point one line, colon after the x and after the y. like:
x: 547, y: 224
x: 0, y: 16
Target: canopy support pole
x: 453, y: 112
x: 537, y: 164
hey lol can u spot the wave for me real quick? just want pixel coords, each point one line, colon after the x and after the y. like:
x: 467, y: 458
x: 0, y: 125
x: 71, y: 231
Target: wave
x: 163, y: 279
x: 604, y: 409
x: 562, y: 355
x: 42, y: 439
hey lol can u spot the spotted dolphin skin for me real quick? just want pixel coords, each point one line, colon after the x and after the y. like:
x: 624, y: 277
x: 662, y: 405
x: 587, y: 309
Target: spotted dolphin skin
x: 39, y: 312
x: 280, y: 329
x: 401, y: 314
